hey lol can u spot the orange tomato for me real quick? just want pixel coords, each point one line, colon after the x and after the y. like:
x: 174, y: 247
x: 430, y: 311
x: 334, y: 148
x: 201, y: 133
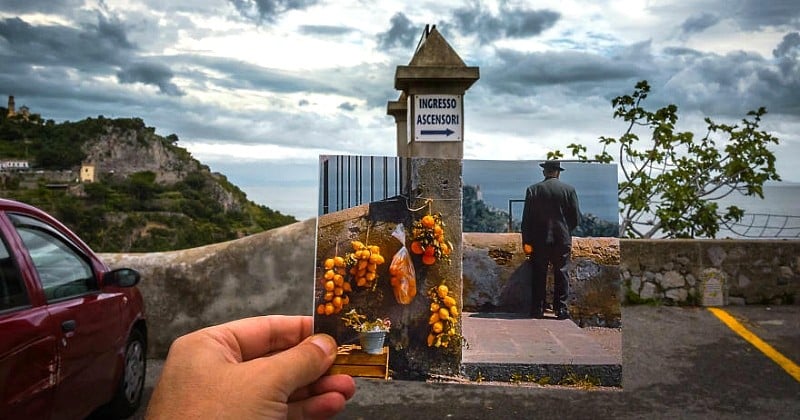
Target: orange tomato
x: 430, y: 250
x: 437, y: 327
x: 528, y: 249
x: 428, y: 221
x: 416, y: 248
x: 444, y: 313
x: 321, y: 309
x: 428, y: 259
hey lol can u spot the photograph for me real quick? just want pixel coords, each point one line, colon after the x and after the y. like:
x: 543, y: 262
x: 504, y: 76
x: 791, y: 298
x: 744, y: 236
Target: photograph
x: 424, y: 266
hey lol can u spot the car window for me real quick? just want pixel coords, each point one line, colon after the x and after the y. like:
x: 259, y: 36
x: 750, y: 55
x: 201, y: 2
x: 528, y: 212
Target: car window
x: 62, y: 270
x: 13, y: 293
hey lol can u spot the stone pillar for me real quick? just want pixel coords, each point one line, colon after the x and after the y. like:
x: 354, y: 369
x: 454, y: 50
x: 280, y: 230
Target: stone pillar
x: 430, y: 132
x: 399, y: 110
x: 433, y: 85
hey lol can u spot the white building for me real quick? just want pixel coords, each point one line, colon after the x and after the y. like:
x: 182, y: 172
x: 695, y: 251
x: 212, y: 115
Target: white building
x: 14, y: 165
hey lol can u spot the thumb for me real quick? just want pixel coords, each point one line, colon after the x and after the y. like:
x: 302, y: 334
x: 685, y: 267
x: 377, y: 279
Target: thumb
x: 302, y: 364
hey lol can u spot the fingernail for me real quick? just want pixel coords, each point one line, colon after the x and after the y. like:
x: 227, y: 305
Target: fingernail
x: 324, y: 342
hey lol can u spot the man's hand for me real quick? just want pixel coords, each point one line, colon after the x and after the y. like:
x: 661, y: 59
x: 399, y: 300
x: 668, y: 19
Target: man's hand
x: 265, y: 367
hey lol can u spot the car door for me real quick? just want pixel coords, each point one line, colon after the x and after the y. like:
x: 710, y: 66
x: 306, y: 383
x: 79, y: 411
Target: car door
x: 28, y: 358
x: 88, y: 321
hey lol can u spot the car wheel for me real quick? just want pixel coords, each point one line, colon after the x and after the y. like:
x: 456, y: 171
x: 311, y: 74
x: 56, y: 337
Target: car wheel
x: 129, y: 393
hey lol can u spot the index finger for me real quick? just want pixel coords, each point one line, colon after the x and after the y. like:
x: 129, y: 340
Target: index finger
x: 258, y: 336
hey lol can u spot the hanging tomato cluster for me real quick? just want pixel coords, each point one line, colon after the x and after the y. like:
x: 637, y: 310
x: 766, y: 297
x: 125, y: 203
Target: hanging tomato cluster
x: 428, y: 239
x: 363, y: 263
x: 335, y: 287
x: 444, y: 315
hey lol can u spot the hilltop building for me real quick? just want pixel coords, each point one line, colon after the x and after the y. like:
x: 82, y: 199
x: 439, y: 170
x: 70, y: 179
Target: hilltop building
x: 87, y: 173
x: 14, y: 165
x: 24, y: 111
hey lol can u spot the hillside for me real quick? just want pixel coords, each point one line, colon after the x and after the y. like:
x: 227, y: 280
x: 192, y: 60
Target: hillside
x: 122, y: 187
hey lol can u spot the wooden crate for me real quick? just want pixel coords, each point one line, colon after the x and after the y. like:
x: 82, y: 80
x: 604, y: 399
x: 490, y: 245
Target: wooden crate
x: 352, y: 361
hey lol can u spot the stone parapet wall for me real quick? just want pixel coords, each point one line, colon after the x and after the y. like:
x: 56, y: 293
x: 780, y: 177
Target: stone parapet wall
x: 497, y: 277
x: 673, y: 271
x: 273, y: 273
x: 268, y: 273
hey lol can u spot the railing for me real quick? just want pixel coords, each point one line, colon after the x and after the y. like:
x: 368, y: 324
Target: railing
x: 511, y: 214
x: 752, y: 225
x: 348, y: 181
x: 761, y: 225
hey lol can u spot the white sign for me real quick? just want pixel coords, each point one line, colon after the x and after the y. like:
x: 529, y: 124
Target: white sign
x: 437, y: 117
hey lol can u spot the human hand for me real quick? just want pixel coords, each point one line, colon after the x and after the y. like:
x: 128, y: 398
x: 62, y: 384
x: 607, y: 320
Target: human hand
x: 265, y: 367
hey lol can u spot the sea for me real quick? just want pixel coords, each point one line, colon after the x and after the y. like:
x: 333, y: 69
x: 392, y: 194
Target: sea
x: 502, y: 184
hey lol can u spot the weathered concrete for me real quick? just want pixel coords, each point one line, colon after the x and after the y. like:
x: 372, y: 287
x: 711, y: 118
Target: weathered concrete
x: 268, y: 273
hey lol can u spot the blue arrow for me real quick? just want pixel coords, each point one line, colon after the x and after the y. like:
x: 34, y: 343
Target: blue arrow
x: 446, y: 132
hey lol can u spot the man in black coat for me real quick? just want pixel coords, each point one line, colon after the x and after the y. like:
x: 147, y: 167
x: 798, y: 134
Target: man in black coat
x: 551, y: 213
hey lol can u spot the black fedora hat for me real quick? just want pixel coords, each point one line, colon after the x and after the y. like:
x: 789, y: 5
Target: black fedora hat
x: 552, y: 165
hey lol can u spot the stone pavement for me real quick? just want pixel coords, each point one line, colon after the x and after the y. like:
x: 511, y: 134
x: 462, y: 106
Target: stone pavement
x: 505, y: 346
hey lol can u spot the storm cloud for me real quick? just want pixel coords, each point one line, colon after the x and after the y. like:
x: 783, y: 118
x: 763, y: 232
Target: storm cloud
x: 510, y: 22
x: 295, y: 78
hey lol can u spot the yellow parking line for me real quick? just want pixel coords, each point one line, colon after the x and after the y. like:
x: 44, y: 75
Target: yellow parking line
x: 789, y: 366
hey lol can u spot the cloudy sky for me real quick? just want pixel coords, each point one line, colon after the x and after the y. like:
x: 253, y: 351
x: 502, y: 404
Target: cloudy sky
x: 257, y: 89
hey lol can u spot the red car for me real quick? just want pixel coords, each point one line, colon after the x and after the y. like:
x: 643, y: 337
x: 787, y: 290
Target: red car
x: 73, y: 337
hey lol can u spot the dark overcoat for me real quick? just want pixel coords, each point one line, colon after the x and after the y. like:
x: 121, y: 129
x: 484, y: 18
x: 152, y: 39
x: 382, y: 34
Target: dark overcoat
x: 551, y: 213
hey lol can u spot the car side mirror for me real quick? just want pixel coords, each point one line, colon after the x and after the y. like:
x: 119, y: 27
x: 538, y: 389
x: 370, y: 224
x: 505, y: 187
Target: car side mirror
x: 122, y: 277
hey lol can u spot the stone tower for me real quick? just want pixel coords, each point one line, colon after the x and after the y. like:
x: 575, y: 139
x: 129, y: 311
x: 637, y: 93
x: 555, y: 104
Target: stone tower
x: 11, y: 108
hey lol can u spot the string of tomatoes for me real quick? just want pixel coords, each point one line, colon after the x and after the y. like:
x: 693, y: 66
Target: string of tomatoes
x: 428, y: 239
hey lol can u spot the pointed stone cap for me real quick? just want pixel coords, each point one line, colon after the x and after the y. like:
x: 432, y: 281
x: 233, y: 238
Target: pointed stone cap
x: 435, y: 63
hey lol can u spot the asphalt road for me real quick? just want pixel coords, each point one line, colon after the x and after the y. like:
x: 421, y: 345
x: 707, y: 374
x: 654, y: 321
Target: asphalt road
x: 677, y: 363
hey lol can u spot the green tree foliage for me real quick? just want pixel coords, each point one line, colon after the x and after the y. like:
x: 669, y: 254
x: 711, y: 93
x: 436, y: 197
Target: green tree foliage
x: 478, y: 217
x: 672, y: 180
x: 593, y: 226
